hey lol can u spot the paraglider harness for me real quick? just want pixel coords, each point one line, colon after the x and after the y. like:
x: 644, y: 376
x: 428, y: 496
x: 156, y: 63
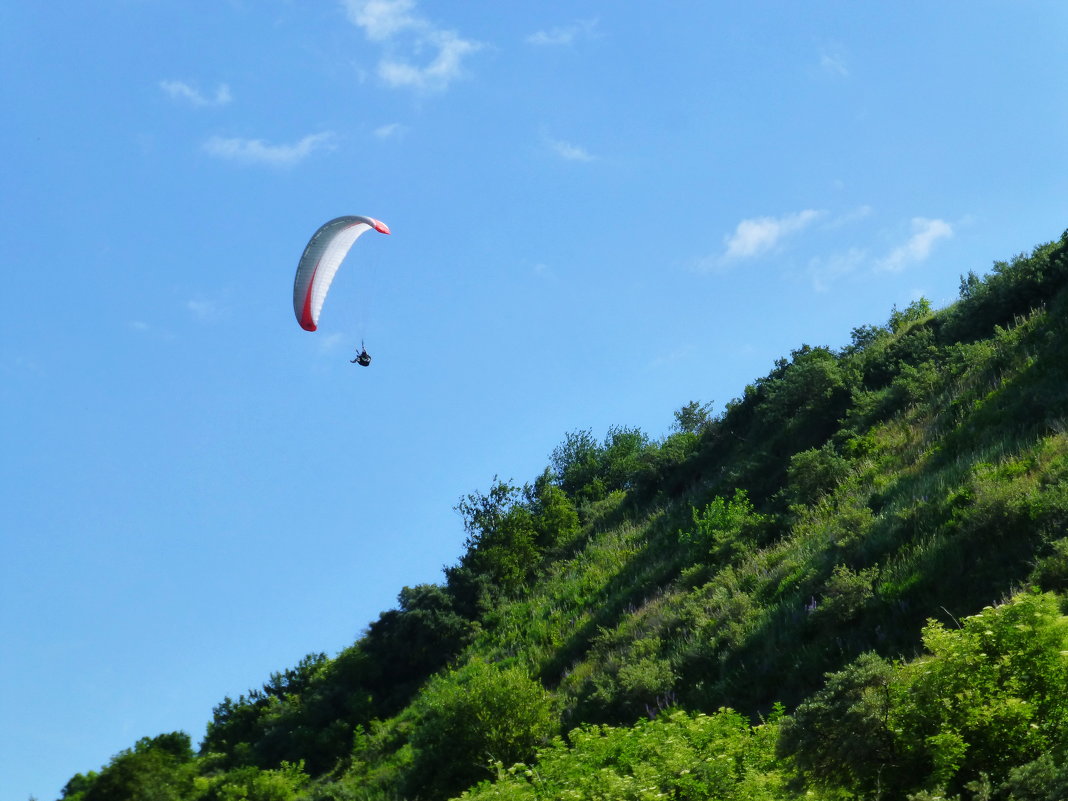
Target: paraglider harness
x: 363, y: 358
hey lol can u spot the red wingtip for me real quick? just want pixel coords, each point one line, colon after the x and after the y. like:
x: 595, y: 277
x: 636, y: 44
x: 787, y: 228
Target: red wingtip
x: 381, y: 227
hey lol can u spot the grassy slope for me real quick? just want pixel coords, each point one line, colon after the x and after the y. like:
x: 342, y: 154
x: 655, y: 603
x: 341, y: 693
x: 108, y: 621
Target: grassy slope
x: 920, y: 473
x: 951, y: 429
x: 955, y: 486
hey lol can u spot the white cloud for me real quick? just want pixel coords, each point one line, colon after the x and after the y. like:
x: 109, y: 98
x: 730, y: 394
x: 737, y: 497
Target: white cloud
x: 759, y: 235
x: 918, y: 247
x: 332, y: 341
x: 544, y: 272
x: 565, y: 35
x: 834, y: 63
x: 148, y: 330
x: 203, y: 309
x: 569, y: 151
x: 406, y: 36
x: 383, y: 19
x: 859, y: 213
x: 390, y: 130
x: 189, y: 94
x: 825, y: 271
x: 442, y: 70
x: 256, y: 151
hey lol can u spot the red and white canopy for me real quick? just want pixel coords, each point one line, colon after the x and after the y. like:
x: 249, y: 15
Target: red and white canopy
x: 323, y: 255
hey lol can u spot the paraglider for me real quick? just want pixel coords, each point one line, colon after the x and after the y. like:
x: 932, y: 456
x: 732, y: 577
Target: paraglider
x: 318, y: 266
x: 363, y: 358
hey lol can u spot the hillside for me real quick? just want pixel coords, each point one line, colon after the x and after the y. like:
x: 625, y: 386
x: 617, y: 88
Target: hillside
x: 850, y: 583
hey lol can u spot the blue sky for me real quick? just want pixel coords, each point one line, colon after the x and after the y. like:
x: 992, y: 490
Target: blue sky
x: 600, y: 212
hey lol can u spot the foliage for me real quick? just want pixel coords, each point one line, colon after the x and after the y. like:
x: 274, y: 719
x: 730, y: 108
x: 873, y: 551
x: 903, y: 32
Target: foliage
x: 472, y: 717
x: 252, y: 784
x: 1044, y: 779
x: 508, y: 531
x: 851, y: 509
x: 156, y: 767
x: 588, y: 470
x: 693, y: 418
x: 724, y: 527
x: 997, y: 688
x: 842, y: 736
x: 414, y: 641
x: 814, y: 473
x: 678, y: 755
x: 987, y: 699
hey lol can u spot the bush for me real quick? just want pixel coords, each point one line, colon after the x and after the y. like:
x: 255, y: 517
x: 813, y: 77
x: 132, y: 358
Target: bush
x: 1051, y: 572
x: 845, y: 593
x: 252, y: 784
x: 161, y: 768
x: 724, y: 527
x: 689, y: 757
x: 998, y: 685
x: 841, y: 735
x: 473, y: 717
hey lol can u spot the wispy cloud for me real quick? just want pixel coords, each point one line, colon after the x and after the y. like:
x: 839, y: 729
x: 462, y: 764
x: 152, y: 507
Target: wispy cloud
x: 925, y: 233
x: 143, y: 328
x: 383, y: 19
x: 331, y: 341
x: 203, y: 309
x: 569, y: 151
x: 565, y: 35
x: 442, y: 70
x: 544, y: 272
x: 826, y: 270
x: 405, y: 35
x: 389, y: 131
x: 759, y: 235
x: 833, y: 62
x: 256, y: 151
x: 678, y: 354
x: 189, y: 94
x: 851, y: 216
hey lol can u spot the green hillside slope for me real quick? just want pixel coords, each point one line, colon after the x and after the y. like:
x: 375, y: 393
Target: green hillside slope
x: 848, y: 584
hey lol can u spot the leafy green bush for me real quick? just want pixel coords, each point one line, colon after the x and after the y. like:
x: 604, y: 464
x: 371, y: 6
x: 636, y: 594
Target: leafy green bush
x: 1042, y: 780
x: 1051, y: 572
x: 253, y: 784
x: 989, y: 698
x: 689, y: 757
x: 842, y: 736
x: 844, y: 594
x: 472, y: 717
x: 161, y: 768
x: 724, y: 527
x: 813, y: 473
x: 998, y: 686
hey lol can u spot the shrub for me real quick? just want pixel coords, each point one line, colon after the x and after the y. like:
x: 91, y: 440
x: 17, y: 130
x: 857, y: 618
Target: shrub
x: 724, y: 526
x: 683, y: 756
x: 475, y: 716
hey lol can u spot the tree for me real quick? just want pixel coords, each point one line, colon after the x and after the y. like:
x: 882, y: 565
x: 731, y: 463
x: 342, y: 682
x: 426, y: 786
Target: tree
x: 841, y: 736
x: 576, y: 464
x: 252, y: 784
x: 693, y: 418
x: 501, y: 541
x: 555, y: 518
x: 410, y: 643
x: 473, y: 717
x: 992, y: 695
x: 161, y: 768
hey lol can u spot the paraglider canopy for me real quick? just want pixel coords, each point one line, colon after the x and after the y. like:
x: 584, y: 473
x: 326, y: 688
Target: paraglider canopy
x: 322, y: 256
